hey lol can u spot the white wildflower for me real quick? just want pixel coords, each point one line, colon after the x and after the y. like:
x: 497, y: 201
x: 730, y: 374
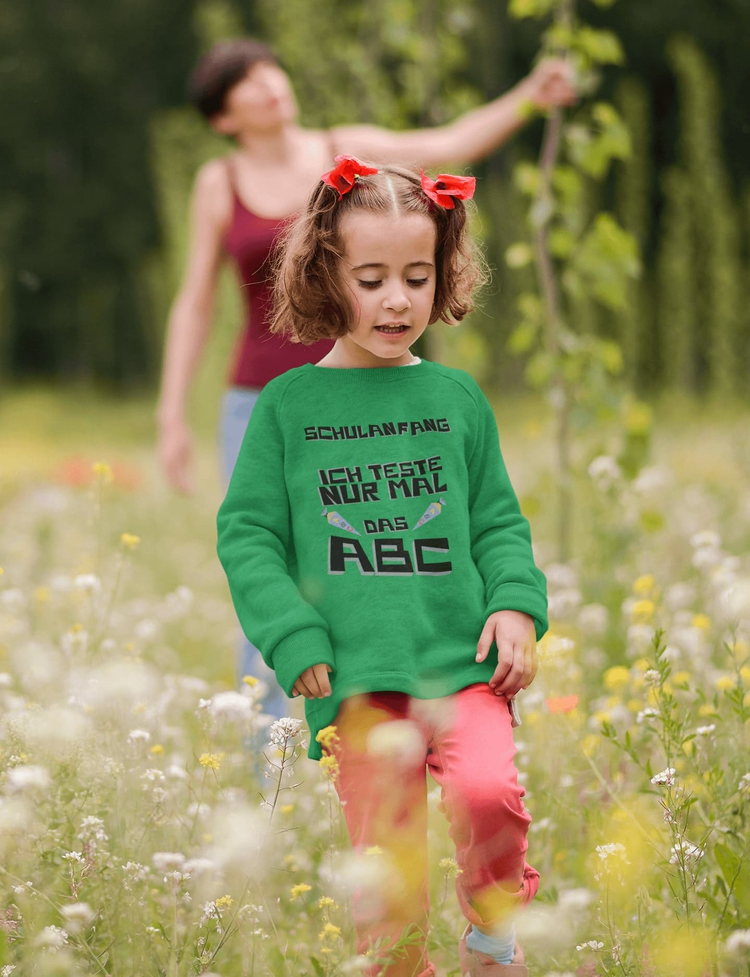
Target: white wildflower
x: 592, y: 944
x: 138, y: 736
x: 738, y: 943
x: 28, y: 776
x: 77, y: 915
x: 229, y: 705
x: 744, y: 784
x: 92, y: 832
x: 652, y: 676
x: 690, y: 853
x: 648, y: 713
x: 604, y: 471
x: 665, y: 778
x: 73, y: 856
x: 706, y: 730
x: 614, y: 850
x: 52, y: 937
x: 89, y: 583
x: 283, y: 730
x: 166, y: 860
x: 705, y: 538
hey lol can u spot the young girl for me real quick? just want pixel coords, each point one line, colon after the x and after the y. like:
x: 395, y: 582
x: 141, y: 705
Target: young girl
x: 375, y: 551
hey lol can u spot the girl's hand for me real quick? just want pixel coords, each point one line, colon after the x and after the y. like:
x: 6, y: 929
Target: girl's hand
x: 515, y: 636
x: 551, y: 84
x: 313, y: 683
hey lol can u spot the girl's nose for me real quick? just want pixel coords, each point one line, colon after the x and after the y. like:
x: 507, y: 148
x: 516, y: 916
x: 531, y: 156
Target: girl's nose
x: 397, y: 301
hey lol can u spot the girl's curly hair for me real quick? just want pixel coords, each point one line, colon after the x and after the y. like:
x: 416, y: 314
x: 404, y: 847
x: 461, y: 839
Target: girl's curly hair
x: 312, y: 302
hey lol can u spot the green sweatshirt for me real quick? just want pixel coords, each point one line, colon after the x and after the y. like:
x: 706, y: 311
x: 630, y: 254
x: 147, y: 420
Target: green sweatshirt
x: 370, y: 525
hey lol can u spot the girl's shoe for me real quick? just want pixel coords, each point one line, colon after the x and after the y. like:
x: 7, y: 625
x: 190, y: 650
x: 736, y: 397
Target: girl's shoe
x: 477, y: 964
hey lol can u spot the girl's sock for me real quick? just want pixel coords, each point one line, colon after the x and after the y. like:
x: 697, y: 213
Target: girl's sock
x: 500, y: 948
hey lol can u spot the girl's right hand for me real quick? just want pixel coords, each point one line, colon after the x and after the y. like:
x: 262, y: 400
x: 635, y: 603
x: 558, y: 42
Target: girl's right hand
x: 313, y: 683
x: 176, y: 454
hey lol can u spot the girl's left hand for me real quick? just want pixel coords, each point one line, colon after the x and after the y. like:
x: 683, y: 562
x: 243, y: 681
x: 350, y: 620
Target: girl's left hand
x: 514, y: 634
x: 551, y: 84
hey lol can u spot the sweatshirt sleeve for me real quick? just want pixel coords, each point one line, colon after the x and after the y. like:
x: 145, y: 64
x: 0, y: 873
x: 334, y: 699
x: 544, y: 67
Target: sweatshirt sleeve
x: 500, y: 534
x: 254, y: 540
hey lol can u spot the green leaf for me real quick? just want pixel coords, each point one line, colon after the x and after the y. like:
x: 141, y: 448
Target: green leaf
x: 530, y: 8
x: 518, y: 255
x: 560, y: 242
x: 539, y: 369
x: 602, y: 47
x: 522, y: 338
x: 528, y: 178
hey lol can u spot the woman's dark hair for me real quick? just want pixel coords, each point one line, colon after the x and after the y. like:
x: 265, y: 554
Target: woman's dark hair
x: 218, y: 71
x: 312, y: 302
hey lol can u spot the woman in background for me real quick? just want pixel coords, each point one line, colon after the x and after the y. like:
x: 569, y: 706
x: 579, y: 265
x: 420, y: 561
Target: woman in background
x: 240, y: 203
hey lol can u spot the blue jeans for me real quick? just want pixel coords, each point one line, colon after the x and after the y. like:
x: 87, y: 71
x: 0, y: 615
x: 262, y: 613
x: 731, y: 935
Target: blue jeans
x: 236, y: 407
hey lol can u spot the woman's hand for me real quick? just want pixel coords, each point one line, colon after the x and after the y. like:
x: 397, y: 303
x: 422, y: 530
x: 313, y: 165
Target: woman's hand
x: 550, y: 84
x: 313, y: 683
x: 176, y: 454
x: 515, y: 636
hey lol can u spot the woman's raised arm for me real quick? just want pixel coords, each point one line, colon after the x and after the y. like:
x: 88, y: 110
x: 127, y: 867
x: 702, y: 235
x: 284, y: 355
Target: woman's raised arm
x: 471, y: 136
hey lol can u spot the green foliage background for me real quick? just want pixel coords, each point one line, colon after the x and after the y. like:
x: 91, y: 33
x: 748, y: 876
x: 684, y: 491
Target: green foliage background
x: 100, y: 152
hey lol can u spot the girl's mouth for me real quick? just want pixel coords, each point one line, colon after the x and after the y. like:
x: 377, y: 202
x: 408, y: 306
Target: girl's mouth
x: 392, y: 330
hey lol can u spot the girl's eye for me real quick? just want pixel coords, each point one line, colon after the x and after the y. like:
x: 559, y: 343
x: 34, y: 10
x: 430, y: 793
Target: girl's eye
x: 369, y: 284
x: 416, y: 282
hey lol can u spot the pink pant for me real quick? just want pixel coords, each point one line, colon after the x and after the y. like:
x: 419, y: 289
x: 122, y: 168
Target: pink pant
x: 385, y: 741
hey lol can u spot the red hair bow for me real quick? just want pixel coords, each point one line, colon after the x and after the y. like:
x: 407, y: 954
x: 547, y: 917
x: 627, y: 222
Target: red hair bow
x: 446, y: 189
x: 341, y: 177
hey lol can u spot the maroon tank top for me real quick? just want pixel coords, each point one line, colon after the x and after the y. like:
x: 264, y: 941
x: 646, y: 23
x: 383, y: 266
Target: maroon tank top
x: 259, y: 355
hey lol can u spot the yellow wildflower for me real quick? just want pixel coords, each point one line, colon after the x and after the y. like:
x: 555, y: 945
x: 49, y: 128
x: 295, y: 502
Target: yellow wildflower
x: 103, y: 472
x: 326, y: 737
x: 638, y: 417
x: 450, y: 866
x: 613, y: 700
x: 589, y: 744
x: 642, y: 664
x: 745, y: 673
x: 532, y: 718
x: 705, y: 710
x: 207, y: 837
x: 327, y: 903
x: 634, y: 705
x: 616, y: 677
x: 300, y: 888
x: 211, y: 760
x: 644, y: 584
x: 330, y: 766
x: 330, y: 931
x: 682, y: 677
x: 724, y: 683
x: 224, y: 902
x: 287, y: 808
x: 129, y: 541
x: 42, y: 594
x: 373, y: 850
x: 643, y: 611
x: 701, y: 621
x: 689, y: 747
x: 250, y: 680
x: 602, y: 716
x: 157, y: 748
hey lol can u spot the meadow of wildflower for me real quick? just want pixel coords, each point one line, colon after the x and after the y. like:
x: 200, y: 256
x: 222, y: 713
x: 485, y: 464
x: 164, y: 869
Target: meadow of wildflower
x: 140, y: 834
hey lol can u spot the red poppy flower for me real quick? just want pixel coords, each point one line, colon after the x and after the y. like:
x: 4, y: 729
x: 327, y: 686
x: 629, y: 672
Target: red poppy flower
x: 341, y: 177
x: 446, y: 189
x: 564, y: 703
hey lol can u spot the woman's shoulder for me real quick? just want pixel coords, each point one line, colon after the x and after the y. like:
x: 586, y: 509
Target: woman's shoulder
x: 212, y: 187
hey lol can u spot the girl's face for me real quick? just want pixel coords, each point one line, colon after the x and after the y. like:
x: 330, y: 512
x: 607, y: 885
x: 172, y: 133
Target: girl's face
x: 262, y: 101
x: 389, y: 269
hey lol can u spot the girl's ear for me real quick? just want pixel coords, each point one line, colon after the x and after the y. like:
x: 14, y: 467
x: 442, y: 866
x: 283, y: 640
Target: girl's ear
x: 222, y: 124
